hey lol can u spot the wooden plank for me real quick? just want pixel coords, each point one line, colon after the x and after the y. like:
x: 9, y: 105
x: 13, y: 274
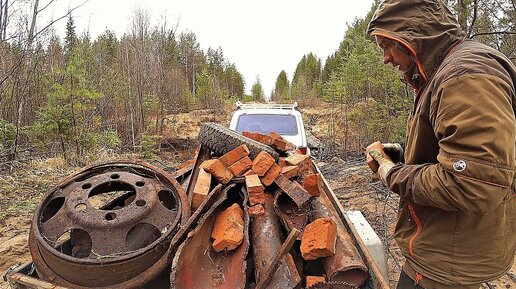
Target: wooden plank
x: 17, y: 279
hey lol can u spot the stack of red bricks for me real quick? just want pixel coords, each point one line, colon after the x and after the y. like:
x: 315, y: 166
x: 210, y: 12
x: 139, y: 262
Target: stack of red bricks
x: 294, y: 174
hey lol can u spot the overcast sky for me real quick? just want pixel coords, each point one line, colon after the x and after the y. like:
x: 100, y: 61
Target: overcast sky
x: 260, y: 37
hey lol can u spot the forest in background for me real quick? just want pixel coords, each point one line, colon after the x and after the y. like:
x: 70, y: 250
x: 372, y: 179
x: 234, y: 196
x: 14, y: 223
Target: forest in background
x: 77, y: 95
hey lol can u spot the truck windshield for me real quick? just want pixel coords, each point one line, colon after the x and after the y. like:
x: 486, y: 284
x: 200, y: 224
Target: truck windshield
x: 266, y: 123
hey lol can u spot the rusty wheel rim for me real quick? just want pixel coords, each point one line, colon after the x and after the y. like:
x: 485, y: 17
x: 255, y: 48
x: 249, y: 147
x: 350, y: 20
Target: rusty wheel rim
x: 132, y: 227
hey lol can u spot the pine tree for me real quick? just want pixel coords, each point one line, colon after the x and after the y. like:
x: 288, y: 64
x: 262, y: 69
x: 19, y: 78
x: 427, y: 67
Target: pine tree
x: 282, y: 87
x: 257, y: 90
x: 70, y: 38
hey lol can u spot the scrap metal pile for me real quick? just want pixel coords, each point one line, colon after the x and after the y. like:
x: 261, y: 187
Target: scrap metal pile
x: 254, y: 215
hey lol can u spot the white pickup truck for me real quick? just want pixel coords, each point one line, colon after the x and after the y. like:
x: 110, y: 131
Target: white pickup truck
x: 283, y: 119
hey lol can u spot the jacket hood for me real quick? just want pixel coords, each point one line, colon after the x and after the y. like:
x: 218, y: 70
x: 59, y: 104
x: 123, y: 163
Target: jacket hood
x: 427, y: 28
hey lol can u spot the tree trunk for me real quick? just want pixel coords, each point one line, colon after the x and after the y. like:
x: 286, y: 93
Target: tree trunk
x: 22, y: 73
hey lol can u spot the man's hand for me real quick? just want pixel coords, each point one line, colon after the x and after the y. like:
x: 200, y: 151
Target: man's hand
x: 378, y: 160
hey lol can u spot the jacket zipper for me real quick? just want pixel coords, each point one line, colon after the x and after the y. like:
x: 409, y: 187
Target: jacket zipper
x: 419, y: 276
x: 418, y: 229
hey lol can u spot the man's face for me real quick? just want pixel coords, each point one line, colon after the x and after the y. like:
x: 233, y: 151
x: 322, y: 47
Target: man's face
x: 393, y: 54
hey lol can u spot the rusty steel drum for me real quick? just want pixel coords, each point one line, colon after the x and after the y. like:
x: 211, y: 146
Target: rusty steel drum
x: 78, y: 239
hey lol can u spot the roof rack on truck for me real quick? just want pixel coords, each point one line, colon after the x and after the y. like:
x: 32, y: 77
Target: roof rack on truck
x: 266, y: 105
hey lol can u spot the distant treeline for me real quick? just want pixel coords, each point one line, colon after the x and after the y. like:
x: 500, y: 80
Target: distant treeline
x: 77, y: 94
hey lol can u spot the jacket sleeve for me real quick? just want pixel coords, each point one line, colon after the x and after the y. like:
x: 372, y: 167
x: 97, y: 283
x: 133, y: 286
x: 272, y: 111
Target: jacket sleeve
x: 474, y: 121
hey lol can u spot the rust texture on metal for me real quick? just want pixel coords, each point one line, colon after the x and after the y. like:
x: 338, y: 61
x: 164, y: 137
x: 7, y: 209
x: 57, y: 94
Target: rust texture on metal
x: 346, y: 265
x: 197, y: 265
x: 285, y: 248
x: 289, y: 214
x: 192, y: 222
x: 115, y: 243
x: 266, y: 237
x: 294, y: 190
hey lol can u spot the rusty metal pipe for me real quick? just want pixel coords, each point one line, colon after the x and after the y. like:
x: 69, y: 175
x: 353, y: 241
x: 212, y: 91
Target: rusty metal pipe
x: 289, y: 214
x: 197, y: 265
x: 346, y: 265
x: 266, y: 237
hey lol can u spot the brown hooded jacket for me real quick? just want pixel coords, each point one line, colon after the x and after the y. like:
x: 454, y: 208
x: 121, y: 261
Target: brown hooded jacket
x: 457, y: 217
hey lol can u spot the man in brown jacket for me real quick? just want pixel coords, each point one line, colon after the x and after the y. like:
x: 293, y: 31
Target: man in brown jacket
x: 457, y: 215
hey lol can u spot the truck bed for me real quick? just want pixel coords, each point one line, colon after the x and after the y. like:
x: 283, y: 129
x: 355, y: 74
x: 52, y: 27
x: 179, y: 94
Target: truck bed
x: 25, y: 276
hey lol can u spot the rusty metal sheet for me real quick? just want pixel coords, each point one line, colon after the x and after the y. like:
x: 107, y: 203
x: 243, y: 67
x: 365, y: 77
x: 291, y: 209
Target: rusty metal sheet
x: 110, y: 244
x: 197, y: 265
x: 293, y: 189
x: 346, y: 265
x: 266, y: 237
x: 289, y: 214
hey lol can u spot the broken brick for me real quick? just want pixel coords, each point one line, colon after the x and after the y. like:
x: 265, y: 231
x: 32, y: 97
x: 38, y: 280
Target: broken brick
x: 290, y: 171
x: 319, y: 239
x: 202, y: 185
x: 313, y: 184
x: 253, y: 184
x: 262, y: 163
x: 296, y: 159
x: 312, y: 280
x: 282, y: 162
x: 293, y: 189
x: 248, y: 173
x: 262, y: 138
x: 241, y: 166
x: 257, y: 198
x: 234, y: 155
x: 228, y: 229
x: 256, y: 210
x: 275, y: 135
x: 271, y: 175
x: 219, y: 171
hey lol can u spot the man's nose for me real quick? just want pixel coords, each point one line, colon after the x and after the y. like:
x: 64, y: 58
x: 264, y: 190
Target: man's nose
x: 387, y: 57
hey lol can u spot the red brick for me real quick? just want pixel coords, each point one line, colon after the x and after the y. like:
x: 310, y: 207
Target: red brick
x: 257, y: 198
x: 256, y: 210
x: 319, y: 239
x: 262, y: 138
x: 313, y: 184
x: 219, y: 171
x: 234, y: 155
x: 275, y: 135
x: 296, y: 159
x: 248, y: 173
x: 253, y: 184
x: 202, y: 185
x: 312, y: 280
x: 241, y: 166
x: 262, y: 163
x: 249, y: 134
x: 306, y: 167
x: 282, y: 162
x: 290, y: 171
x: 280, y: 143
x: 293, y: 189
x: 271, y: 175
x: 228, y: 229
x: 265, y: 139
